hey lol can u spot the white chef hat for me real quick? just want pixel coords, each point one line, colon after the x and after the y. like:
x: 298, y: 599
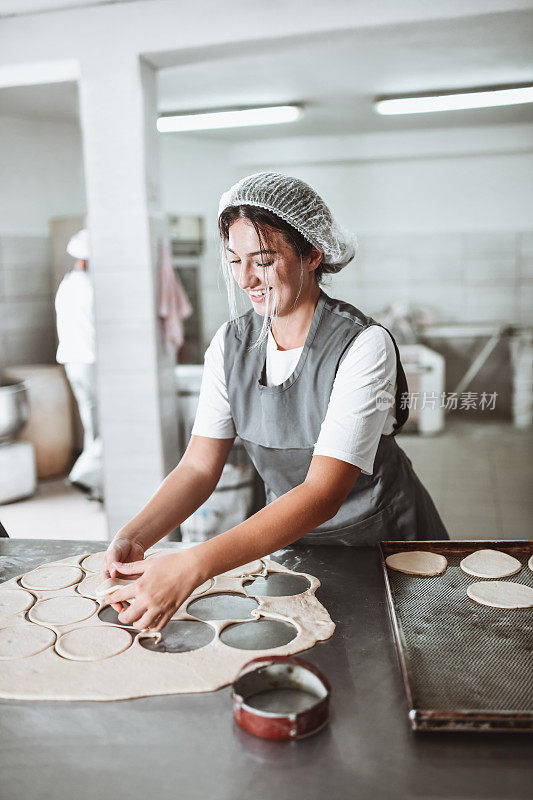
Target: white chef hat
x: 78, y: 245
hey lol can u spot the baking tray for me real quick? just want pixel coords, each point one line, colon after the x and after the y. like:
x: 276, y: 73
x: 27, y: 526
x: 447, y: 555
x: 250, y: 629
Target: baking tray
x: 465, y: 666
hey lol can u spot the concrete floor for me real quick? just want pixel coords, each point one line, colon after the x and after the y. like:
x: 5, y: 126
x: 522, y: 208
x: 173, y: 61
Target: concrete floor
x: 480, y: 475
x: 56, y: 511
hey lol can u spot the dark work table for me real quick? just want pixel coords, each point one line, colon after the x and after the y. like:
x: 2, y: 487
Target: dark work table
x: 187, y: 746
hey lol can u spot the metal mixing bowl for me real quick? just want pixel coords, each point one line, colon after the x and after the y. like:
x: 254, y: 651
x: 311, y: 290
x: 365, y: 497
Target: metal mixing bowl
x: 14, y: 408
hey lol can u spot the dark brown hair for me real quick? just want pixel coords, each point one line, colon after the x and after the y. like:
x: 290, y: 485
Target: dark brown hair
x: 263, y: 220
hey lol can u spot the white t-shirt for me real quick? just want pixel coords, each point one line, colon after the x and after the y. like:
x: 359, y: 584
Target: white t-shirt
x: 355, y: 419
x: 75, y: 318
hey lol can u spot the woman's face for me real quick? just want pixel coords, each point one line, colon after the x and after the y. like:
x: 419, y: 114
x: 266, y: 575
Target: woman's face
x: 279, y: 268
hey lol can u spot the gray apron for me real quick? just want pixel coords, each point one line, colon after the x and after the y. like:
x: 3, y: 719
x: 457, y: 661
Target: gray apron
x: 279, y: 426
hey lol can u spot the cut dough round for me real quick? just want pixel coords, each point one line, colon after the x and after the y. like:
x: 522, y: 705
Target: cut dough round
x: 417, y: 562
x: 13, y: 601
x: 242, y: 572
x: 93, y: 643
x: 87, y: 587
x: 501, y: 594
x: 51, y: 577
x: 530, y: 563
x: 94, y: 562
x: 111, y: 585
x: 22, y: 641
x: 490, y: 564
x: 62, y: 610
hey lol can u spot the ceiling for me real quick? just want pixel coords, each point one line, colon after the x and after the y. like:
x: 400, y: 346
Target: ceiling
x: 17, y: 8
x: 335, y: 77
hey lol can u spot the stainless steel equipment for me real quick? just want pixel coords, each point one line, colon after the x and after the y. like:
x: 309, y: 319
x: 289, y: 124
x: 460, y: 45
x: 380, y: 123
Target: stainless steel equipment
x: 14, y: 408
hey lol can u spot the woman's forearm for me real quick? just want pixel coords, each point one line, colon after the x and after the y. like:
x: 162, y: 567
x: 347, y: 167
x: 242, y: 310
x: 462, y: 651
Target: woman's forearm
x: 277, y: 525
x: 180, y: 494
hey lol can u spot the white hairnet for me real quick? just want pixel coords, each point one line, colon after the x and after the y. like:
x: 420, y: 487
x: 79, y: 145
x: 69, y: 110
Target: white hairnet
x: 298, y: 204
x: 78, y: 245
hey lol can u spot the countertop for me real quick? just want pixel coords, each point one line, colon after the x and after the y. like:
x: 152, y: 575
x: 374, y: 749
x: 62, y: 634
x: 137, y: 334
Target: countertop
x: 188, y: 747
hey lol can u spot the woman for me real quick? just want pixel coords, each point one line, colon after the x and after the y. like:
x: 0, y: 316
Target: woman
x: 311, y: 385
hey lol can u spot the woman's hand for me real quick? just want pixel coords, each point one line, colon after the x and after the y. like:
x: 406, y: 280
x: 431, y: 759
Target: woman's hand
x: 164, y: 583
x: 119, y: 551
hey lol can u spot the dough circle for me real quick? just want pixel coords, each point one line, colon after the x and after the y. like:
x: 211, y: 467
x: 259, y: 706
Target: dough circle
x: 490, y: 564
x: 417, y: 562
x: 51, y: 577
x: 93, y: 643
x: 111, y: 585
x: 87, y: 587
x: 22, y: 641
x: 62, y: 610
x: 94, y: 562
x: 12, y: 601
x: 530, y: 563
x: 501, y: 594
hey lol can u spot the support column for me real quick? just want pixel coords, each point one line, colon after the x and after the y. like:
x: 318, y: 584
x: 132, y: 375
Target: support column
x: 136, y: 395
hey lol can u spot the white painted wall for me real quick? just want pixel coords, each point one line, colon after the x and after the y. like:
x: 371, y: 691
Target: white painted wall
x: 194, y: 173
x: 41, y: 171
x: 41, y: 176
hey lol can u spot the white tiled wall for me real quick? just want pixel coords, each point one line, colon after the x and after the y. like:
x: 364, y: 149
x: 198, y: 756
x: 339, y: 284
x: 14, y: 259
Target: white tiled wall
x: 458, y: 277
x: 27, y: 324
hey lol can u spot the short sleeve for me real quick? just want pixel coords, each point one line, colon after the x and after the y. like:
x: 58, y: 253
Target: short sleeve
x: 213, y: 416
x: 362, y: 401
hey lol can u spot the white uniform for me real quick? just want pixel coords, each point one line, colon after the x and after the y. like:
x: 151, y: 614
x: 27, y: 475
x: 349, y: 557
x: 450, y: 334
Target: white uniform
x: 354, y: 421
x: 75, y: 329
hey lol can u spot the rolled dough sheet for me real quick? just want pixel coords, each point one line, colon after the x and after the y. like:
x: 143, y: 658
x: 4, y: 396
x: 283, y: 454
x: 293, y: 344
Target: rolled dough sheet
x: 251, y: 568
x: 63, y: 610
x: 49, y: 577
x: 501, y: 594
x: 490, y: 564
x: 97, y: 660
x: 417, y: 562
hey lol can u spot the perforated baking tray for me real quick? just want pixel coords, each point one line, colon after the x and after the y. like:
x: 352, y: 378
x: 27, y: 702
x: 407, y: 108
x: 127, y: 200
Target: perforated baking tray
x: 465, y: 666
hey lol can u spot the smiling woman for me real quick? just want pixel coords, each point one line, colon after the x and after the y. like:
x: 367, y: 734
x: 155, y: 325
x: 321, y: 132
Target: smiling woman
x: 311, y: 385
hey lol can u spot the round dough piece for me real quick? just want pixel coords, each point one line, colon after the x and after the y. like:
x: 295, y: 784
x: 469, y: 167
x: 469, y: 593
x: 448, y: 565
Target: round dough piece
x: 501, y: 594
x: 530, y: 563
x: 52, y: 577
x: 93, y: 643
x: 111, y: 585
x: 250, y: 568
x: 87, y: 587
x: 490, y: 564
x: 13, y: 601
x: 63, y: 610
x: 417, y: 562
x: 22, y: 641
x: 94, y: 562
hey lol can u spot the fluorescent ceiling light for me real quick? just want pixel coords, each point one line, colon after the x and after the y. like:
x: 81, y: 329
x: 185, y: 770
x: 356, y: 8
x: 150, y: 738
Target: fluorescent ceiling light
x: 454, y: 101
x: 272, y: 115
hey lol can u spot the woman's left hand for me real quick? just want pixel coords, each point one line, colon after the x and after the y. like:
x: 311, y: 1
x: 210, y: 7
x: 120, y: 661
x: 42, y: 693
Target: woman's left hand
x: 164, y: 583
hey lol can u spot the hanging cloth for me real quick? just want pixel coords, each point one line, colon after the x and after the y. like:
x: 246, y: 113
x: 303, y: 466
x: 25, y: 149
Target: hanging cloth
x: 174, y: 305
